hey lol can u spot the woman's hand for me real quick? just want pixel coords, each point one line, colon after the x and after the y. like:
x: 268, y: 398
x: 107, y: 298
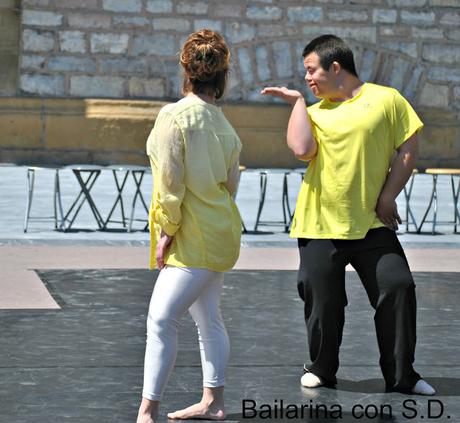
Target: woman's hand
x: 387, y: 212
x: 162, y: 246
x: 291, y: 96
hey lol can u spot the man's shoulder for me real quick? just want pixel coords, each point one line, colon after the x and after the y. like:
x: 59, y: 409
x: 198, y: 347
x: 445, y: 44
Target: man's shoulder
x: 381, y: 90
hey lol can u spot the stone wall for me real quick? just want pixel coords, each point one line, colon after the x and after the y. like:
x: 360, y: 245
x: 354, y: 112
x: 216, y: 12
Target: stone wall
x: 127, y: 49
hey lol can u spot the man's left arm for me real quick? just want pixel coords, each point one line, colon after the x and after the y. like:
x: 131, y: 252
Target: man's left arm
x: 401, y: 170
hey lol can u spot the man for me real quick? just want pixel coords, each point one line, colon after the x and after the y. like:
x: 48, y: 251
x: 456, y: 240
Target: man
x: 361, y: 142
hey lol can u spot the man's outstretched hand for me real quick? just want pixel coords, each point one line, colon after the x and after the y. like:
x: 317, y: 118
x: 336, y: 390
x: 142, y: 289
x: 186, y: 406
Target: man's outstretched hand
x: 291, y: 96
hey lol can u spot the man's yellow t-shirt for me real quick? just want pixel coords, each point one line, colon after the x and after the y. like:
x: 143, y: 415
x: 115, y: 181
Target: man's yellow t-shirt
x: 356, y: 141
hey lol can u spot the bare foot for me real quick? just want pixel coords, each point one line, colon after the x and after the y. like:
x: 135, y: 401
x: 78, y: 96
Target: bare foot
x: 199, y: 411
x: 144, y: 418
x: 148, y: 411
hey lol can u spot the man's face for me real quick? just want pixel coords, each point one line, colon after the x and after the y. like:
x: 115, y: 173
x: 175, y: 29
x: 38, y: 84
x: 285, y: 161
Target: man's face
x: 319, y: 80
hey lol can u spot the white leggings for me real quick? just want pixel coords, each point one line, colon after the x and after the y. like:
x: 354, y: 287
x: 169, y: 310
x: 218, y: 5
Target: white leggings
x: 177, y: 290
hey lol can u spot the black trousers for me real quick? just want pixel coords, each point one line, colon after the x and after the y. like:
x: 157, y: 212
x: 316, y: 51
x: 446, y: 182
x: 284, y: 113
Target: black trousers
x: 382, y: 267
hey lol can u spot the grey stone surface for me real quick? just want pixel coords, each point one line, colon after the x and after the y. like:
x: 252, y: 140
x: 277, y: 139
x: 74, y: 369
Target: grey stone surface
x: 192, y: 7
x: 42, y: 84
x: 41, y: 18
x: 244, y: 60
x: 451, y: 19
x: 348, y: 16
x: 384, y: 16
x: 174, y: 24
x: 123, y: 65
x: 270, y: 13
x: 263, y: 67
x: 131, y: 21
x: 104, y: 86
x: 417, y: 18
x: 434, y: 95
x: 122, y: 5
x: 444, y: 74
x: 38, y: 41
x: 160, y: 44
x: 93, y: 21
x: 159, y: 6
x: 237, y: 32
x: 448, y: 53
x: 282, y: 59
x: 215, y: 25
x: 84, y: 362
x: 109, y: 43
x: 32, y: 62
x: 69, y: 63
x: 407, y: 48
x: 72, y: 41
x: 141, y: 87
x: 304, y: 14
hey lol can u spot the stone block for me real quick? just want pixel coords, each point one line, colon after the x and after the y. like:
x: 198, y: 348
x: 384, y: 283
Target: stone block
x: 156, y: 45
x: 91, y: 21
x: 109, y: 43
x: 442, y: 53
x: 368, y: 65
x: 192, y: 7
x: 444, y: 3
x: 444, y: 74
x: 264, y: 13
x: 245, y: 61
x: 79, y: 4
x: 35, y: 3
x: 159, y: 6
x: 32, y: 62
x: 37, y: 40
x: 72, y: 41
x: 406, y: 48
x: 384, y: 16
x: 410, y: 90
x: 456, y: 93
x: 272, y: 30
x: 304, y: 14
x: 358, y: 33
x: 215, y: 25
x: 407, y: 3
x: 417, y: 18
x: 392, y: 31
x: 237, y: 32
x: 140, y: 87
x: 434, y: 95
x: 124, y: 65
x: 262, y: 61
x: 282, y: 59
x: 222, y: 10
x: 451, y: 19
x: 96, y: 86
x: 453, y: 34
x: 122, y: 21
x: 399, y: 70
x: 122, y: 5
x: 348, y: 16
x: 69, y: 63
x: 41, y: 18
x: 175, y: 24
x: 47, y: 85
x: 427, y: 33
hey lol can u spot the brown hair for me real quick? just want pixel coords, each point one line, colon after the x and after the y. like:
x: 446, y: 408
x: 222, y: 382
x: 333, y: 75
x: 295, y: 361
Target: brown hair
x: 205, y: 58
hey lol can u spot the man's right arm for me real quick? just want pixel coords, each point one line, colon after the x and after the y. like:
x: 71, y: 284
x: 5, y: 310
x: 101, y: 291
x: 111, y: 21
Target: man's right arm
x: 300, y: 138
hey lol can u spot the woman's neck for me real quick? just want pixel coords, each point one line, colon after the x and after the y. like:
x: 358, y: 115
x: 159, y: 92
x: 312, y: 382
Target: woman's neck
x: 205, y: 97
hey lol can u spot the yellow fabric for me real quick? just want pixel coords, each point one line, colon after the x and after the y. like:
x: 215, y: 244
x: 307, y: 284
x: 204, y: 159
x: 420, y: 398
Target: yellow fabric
x: 356, y: 141
x: 194, y: 155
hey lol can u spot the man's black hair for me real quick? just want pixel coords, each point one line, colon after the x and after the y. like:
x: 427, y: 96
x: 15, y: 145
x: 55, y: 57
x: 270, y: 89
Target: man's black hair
x: 330, y: 48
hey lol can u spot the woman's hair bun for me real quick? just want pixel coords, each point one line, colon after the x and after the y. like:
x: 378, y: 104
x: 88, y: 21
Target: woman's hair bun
x: 204, y: 55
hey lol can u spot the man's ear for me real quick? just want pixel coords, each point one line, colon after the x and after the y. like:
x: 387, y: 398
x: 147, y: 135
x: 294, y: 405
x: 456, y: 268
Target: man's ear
x: 336, y: 67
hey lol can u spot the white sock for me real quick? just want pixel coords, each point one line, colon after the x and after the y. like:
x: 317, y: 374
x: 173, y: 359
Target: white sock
x: 423, y: 388
x: 309, y: 380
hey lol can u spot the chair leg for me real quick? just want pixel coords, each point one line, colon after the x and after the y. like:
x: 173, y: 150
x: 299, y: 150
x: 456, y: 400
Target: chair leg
x: 435, y: 204
x: 286, y: 206
x: 429, y: 206
x: 263, y: 188
x: 30, y: 192
x: 455, y: 193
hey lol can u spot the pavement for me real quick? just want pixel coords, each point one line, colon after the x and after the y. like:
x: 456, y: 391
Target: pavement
x: 73, y: 304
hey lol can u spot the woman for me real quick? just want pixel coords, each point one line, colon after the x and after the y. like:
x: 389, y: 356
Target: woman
x: 195, y: 226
